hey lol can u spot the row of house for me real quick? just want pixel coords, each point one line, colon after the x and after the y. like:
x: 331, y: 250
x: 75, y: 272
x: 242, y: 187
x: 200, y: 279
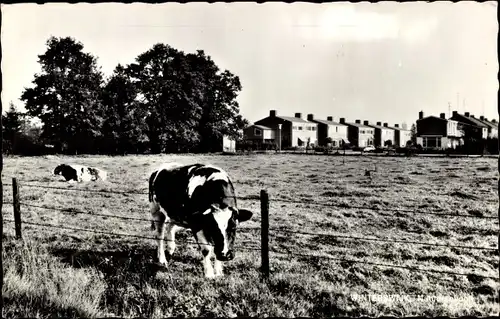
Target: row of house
x: 295, y: 131
x: 439, y: 132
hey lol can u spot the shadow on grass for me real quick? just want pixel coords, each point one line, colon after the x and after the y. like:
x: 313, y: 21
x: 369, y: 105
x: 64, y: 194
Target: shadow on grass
x: 123, y: 269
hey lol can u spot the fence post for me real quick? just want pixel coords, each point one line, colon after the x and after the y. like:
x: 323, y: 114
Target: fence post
x: 17, y: 207
x: 264, y: 231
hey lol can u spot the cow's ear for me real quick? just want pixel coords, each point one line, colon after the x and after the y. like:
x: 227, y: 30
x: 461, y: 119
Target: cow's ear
x: 244, y: 215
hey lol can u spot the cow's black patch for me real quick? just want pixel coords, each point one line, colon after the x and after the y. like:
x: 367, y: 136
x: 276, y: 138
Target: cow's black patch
x: 68, y: 172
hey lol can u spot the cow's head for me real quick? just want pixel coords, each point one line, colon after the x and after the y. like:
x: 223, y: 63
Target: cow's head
x: 60, y: 169
x: 219, y: 225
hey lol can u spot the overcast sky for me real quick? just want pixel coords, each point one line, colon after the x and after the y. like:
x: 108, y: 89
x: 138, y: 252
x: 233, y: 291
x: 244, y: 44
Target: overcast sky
x: 380, y: 62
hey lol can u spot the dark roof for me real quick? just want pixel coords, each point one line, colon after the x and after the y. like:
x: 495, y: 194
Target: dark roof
x: 399, y: 128
x: 436, y: 117
x: 489, y: 123
x: 477, y: 122
x: 261, y: 127
x: 285, y: 118
x: 357, y: 125
x: 327, y: 122
x: 380, y: 127
x: 292, y: 119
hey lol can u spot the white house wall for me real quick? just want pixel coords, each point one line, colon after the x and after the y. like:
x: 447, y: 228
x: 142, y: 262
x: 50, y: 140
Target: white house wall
x: 337, y: 132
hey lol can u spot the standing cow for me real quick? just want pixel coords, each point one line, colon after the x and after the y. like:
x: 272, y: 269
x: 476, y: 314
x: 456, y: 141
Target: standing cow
x: 201, y: 198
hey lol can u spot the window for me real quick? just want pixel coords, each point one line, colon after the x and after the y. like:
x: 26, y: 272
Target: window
x: 362, y: 131
x: 295, y: 127
x: 314, y: 128
x: 257, y: 132
x: 431, y: 142
x: 300, y: 128
x: 336, y: 129
x: 309, y: 128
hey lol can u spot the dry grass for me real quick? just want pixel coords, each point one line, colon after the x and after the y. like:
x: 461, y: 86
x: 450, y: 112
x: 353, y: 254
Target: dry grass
x: 129, y: 283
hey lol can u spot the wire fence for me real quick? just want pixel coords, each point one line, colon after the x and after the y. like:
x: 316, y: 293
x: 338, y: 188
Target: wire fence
x: 276, y: 230
x: 380, y: 210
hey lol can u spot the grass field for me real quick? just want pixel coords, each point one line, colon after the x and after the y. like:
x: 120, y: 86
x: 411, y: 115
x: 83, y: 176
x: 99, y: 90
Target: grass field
x: 72, y: 273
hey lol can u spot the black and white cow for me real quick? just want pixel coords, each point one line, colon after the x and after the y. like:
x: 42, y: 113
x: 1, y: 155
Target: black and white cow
x: 201, y: 198
x: 80, y: 173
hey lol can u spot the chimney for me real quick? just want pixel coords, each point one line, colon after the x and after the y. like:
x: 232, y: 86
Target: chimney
x: 310, y: 117
x: 342, y: 120
x: 365, y: 122
x: 272, y: 113
x: 329, y: 118
x: 482, y: 118
x: 298, y: 115
x: 386, y: 125
x: 396, y: 125
x: 472, y: 115
x: 358, y: 121
x: 420, y: 115
x: 493, y: 121
x: 467, y: 114
x: 455, y: 113
x: 379, y: 123
x: 443, y: 116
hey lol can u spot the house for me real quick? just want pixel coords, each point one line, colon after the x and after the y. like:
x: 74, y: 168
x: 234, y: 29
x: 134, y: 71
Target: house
x: 401, y: 136
x: 438, y: 132
x: 259, y: 134
x: 228, y: 144
x: 294, y: 131
x: 359, y: 135
x: 492, y: 126
x: 384, y: 135
x: 336, y: 131
x: 472, y: 127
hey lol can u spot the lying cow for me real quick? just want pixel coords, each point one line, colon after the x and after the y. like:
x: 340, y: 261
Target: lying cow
x: 202, y: 199
x: 79, y: 173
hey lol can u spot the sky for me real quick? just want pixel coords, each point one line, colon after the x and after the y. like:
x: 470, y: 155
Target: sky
x: 382, y: 62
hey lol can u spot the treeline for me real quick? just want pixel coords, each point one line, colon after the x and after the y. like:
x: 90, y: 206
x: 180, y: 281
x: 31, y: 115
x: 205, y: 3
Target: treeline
x: 166, y: 101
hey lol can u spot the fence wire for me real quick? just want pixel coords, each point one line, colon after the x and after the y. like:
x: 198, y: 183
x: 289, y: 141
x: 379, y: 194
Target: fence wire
x: 301, y: 202
x: 114, y: 192
x: 354, y: 261
x: 341, y: 236
x: 410, y: 242
x: 188, y: 242
x: 295, y: 254
x: 282, y: 230
x: 379, y: 210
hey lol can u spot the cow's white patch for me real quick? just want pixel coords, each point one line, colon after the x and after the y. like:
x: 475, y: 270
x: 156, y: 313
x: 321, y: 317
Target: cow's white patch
x: 218, y: 176
x: 222, y: 217
x: 194, y: 182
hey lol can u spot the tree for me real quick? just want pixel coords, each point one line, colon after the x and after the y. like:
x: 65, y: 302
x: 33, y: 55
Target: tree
x: 388, y: 143
x: 65, y: 96
x: 190, y: 104
x: 123, y: 128
x: 220, y: 111
x: 12, y: 123
x: 171, y: 94
x: 413, y: 133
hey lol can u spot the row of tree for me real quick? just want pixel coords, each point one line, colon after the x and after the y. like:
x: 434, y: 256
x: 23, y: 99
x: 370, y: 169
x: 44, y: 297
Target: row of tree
x: 165, y: 101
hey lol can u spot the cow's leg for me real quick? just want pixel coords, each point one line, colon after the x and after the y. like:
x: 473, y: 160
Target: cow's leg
x: 218, y: 267
x: 171, y: 229
x: 159, y: 223
x: 207, y: 252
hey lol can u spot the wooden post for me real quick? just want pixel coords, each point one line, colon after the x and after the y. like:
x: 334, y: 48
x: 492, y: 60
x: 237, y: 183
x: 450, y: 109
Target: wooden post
x: 264, y: 231
x: 17, y: 207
